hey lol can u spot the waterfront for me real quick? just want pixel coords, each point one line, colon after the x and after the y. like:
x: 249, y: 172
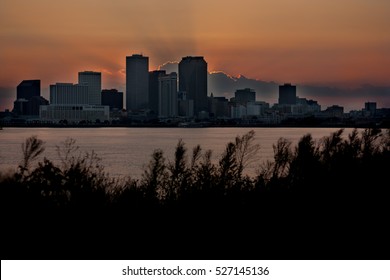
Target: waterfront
x: 125, y: 151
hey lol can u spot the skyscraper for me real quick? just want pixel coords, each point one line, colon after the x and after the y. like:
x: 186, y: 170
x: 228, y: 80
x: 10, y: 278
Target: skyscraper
x: 94, y: 82
x: 137, y: 82
x: 287, y: 94
x: 193, y: 81
x: 168, y: 105
x: 28, y: 88
x: 153, y: 89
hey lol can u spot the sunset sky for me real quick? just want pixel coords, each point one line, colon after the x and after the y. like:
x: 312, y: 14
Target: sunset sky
x: 338, y: 43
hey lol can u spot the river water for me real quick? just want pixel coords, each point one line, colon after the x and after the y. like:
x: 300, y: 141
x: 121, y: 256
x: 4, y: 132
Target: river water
x: 126, y: 151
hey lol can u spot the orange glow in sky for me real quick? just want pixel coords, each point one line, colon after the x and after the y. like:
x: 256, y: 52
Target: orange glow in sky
x: 345, y: 42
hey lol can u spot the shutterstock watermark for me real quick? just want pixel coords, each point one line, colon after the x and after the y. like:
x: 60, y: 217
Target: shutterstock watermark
x: 195, y: 269
x: 163, y: 271
x: 179, y: 271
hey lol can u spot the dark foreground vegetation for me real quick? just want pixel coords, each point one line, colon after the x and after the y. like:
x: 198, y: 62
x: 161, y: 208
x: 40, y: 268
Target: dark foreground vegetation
x: 322, y: 199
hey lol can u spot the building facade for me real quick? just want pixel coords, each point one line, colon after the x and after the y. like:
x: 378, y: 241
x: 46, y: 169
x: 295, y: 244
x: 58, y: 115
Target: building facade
x: 28, y: 89
x: 185, y: 106
x: 112, y: 98
x: 257, y: 108
x: 219, y: 107
x: 70, y: 103
x: 243, y: 96
x: 369, y: 109
x: 168, y: 104
x: 137, y: 82
x: 68, y: 93
x: 74, y: 113
x: 193, y: 81
x: 153, y: 90
x: 334, y: 111
x: 287, y: 94
x: 28, y: 98
x: 94, y: 82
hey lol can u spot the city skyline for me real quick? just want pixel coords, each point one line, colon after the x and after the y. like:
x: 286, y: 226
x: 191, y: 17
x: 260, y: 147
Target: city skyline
x: 219, y: 82
x: 304, y: 43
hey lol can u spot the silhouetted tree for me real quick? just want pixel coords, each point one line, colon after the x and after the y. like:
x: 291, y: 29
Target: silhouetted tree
x: 245, y: 151
x: 329, y: 188
x: 179, y: 173
x: 155, y: 176
x: 273, y: 175
x: 31, y: 149
x: 304, y: 169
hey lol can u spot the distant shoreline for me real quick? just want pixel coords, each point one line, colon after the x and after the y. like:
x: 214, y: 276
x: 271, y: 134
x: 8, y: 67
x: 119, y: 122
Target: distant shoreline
x: 382, y: 126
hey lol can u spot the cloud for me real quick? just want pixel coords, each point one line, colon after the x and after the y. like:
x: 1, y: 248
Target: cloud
x: 221, y: 84
x: 170, y: 66
x: 350, y: 99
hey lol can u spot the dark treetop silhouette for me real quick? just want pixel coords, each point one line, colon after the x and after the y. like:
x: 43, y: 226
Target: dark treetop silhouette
x: 319, y: 199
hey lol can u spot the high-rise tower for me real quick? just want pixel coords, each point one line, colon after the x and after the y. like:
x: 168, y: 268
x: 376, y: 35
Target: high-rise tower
x: 167, y: 95
x: 153, y: 89
x: 193, y: 81
x: 94, y: 82
x: 137, y: 82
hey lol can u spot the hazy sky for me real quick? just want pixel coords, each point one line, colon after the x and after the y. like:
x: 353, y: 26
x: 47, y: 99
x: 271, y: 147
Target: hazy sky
x: 344, y: 42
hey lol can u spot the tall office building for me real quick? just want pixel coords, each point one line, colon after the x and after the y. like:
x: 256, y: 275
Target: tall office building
x: 287, y: 94
x: 193, y: 81
x: 137, y: 82
x: 168, y: 105
x: 28, y: 88
x: 94, y: 82
x: 153, y: 89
